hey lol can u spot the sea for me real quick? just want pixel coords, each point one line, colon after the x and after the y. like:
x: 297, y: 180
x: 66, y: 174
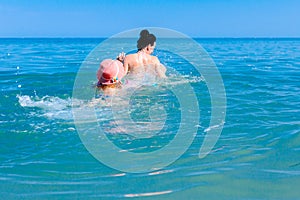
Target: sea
x: 45, y: 155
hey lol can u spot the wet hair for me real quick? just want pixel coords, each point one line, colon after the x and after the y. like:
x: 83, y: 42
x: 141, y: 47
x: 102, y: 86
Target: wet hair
x: 145, y: 39
x: 115, y: 85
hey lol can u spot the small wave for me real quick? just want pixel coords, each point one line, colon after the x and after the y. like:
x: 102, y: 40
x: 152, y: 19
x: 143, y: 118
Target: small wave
x: 214, y: 126
x: 148, y: 194
x: 286, y: 172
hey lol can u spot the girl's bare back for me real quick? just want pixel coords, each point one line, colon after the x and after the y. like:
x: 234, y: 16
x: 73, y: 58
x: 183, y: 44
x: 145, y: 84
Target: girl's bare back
x: 144, y: 63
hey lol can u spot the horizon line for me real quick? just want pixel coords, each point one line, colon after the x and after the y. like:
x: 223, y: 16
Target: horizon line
x: 198, y: 37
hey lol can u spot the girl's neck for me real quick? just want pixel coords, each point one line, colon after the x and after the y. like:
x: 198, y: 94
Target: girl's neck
x: 142, y: 51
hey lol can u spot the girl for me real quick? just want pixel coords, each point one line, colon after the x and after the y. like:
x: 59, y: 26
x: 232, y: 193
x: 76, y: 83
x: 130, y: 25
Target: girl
x: 109, y: 76
x: 143, y: 61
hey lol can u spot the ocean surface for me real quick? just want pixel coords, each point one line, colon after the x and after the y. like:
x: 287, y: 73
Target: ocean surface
x: 257, y: 156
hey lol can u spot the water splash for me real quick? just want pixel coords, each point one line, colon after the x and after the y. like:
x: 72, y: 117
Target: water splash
x: 49, y: 106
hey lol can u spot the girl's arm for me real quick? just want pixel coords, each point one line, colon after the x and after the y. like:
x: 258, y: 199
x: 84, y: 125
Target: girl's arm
x: 125, y: 64
x: 159, y: 68
x: 122, y: 58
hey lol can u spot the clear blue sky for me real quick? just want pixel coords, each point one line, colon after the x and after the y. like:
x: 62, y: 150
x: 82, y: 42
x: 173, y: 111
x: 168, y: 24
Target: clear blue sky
x: 99, y: 18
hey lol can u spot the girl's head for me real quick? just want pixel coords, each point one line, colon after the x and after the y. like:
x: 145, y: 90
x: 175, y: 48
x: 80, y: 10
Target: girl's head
x: 146, y: 42
x: 110, y: 73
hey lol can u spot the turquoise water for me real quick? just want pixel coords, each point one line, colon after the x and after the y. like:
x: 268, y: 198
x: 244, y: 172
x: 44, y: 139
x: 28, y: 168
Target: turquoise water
x: 256, y: 157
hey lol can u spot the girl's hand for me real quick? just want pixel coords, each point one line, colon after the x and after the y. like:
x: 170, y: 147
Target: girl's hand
x: 121, y: 57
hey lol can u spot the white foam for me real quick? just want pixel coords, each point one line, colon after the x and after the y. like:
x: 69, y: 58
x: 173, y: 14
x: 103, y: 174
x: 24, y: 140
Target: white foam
x: 46, y: 102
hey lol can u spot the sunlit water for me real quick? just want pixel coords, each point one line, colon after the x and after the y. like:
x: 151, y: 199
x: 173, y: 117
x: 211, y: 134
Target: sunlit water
x: 256, y: 157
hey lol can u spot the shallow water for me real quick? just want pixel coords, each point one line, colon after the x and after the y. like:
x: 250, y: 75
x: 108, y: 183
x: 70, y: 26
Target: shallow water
x: 256, y: 157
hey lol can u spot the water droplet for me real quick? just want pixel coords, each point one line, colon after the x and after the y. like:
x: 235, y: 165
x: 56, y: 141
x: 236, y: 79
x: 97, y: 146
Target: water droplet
x: 18, y: 67
x: 19, y: 86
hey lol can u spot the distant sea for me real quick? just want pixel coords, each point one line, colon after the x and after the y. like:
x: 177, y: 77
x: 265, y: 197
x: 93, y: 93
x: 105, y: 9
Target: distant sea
x: 256, y: 157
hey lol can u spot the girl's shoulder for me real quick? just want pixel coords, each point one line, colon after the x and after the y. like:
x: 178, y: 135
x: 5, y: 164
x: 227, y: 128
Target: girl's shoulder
x: 130, y: 56
x: 155, y: 60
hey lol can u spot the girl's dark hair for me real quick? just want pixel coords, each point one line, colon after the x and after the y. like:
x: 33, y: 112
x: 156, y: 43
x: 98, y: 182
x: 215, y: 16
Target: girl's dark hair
x: 145, y: 39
